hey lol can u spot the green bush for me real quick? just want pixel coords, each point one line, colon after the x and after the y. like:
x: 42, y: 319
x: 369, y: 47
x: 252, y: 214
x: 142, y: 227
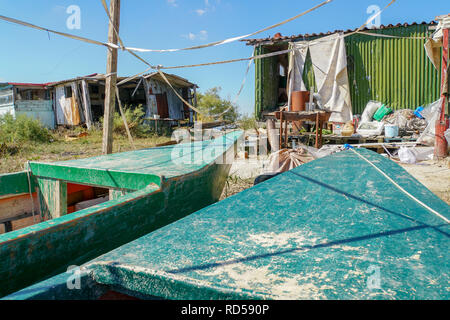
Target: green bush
x: 212, y: 104
x: 247, y: 122
x: 134, y: 120
x: 22, y: 129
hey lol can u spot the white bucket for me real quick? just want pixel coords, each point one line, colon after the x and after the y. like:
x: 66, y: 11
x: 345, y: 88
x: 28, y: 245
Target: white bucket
x: 390, y: 130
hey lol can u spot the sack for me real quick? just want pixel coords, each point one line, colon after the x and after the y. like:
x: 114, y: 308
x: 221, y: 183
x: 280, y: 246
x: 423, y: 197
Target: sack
x: 369, y: 111
x: 431, y: 115
x: 406, y: 155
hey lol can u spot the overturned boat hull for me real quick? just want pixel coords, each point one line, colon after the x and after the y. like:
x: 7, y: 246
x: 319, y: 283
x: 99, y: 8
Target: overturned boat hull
x: 148, y: 189
x: 334, y: 228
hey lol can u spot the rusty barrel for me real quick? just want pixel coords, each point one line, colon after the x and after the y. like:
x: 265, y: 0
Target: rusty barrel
x: 298, y: 103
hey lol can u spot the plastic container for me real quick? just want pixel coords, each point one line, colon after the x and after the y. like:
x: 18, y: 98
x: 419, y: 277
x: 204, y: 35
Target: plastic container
x: 373, y: 128
x: 337, y: 127
x: 390, y: 130
x: 348, y: 129
x: 382, y: 112
x: 418, y: 113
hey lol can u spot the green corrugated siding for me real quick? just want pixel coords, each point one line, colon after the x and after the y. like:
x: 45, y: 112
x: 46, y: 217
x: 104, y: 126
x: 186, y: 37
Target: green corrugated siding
x: 394, y: 71
x: 266, y: 81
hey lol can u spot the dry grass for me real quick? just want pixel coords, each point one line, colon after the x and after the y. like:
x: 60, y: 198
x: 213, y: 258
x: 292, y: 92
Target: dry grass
x: 62, y: 149
x: 234, y: 185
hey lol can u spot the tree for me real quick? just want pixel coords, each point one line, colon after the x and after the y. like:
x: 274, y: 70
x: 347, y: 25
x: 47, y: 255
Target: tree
x: 211, y: 104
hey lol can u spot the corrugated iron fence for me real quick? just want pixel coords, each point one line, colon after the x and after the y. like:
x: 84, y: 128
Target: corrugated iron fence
x: 395, y: 71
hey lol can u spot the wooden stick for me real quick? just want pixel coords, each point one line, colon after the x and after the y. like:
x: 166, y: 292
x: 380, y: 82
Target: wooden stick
x: 130, y: 138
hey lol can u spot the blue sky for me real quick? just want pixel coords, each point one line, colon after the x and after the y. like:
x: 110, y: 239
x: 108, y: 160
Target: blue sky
x: 29, y: 55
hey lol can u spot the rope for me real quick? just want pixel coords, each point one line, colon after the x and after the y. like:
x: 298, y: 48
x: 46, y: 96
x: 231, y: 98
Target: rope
x: 178, y: 95
x: 390, y: 36
x: 30, y: 191
x: 68, y: 35
x: 130, y: 137
x: 401, y: 189
x: 239, y: 92
x: 229, y: 40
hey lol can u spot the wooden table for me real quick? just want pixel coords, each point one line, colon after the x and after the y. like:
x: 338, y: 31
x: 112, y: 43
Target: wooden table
x: 289, y: 116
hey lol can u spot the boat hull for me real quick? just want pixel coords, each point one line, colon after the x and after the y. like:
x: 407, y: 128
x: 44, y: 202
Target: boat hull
x: 37, y: 252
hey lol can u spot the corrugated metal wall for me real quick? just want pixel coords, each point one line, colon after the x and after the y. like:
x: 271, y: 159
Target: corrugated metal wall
x: 394, y: 71
x: 266, y: 81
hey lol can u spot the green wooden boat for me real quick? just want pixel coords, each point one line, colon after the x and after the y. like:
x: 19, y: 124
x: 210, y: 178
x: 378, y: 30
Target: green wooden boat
x: 147, y: 189
x: 334, y: 228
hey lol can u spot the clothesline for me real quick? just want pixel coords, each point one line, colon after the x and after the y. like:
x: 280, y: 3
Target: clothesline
x: 130, y: 49
x: 159, y: 67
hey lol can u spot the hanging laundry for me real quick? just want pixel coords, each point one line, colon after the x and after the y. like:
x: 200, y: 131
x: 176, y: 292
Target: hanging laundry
x: 329, y: 61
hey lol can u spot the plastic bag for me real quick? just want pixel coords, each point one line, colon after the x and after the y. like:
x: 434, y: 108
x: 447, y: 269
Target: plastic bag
x: 415, y: 154
x: 406, y: 155
x: 369, y: 111
x: 431, y: 114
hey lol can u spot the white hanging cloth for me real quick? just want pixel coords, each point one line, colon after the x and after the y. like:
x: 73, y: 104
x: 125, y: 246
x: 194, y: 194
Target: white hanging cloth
x: 297, y: 61
x: 329, y: 61
x: 434, y: 43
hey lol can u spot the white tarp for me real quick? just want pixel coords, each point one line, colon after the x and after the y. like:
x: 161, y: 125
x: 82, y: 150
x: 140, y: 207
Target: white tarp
x: 434, y: 44
x: 329, y: 61
x: 296, y: 66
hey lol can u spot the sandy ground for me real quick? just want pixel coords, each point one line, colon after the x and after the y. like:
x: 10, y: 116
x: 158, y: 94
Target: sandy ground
x: 432, y: 174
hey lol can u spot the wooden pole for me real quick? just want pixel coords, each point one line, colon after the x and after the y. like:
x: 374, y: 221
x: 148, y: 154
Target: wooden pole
x: 440, y: 149
x: 111, y: 78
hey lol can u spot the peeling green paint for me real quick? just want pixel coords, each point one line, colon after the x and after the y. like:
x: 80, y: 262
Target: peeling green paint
x: 320, y: 238
x: 33, y: 253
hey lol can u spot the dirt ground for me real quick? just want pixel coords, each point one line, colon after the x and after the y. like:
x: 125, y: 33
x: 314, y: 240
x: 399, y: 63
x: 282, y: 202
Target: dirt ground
x: 434, y: 175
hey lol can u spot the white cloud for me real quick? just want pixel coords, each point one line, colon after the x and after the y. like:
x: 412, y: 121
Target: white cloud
x: 173, y: 3
x: 200, y: 12
x: 202, y: 35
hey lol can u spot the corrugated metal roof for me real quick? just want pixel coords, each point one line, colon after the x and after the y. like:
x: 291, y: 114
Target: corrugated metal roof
x: 174, y: 79
x: 93, y: 76
x: 19, y: 84
x: 279, y: 38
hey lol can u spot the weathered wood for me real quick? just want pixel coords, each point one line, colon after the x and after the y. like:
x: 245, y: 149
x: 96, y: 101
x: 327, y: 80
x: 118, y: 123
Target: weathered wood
x: 271, y: 136
x: 77, y: 100
x: 86, y: 103
x: 111, y: 79
x: 16, y: 205
x: 150, y: 111
x: 116, y: 193
x: 25, y: 222
x: 195, y: 117
x: 34, y: 253
x: 52, y: 197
